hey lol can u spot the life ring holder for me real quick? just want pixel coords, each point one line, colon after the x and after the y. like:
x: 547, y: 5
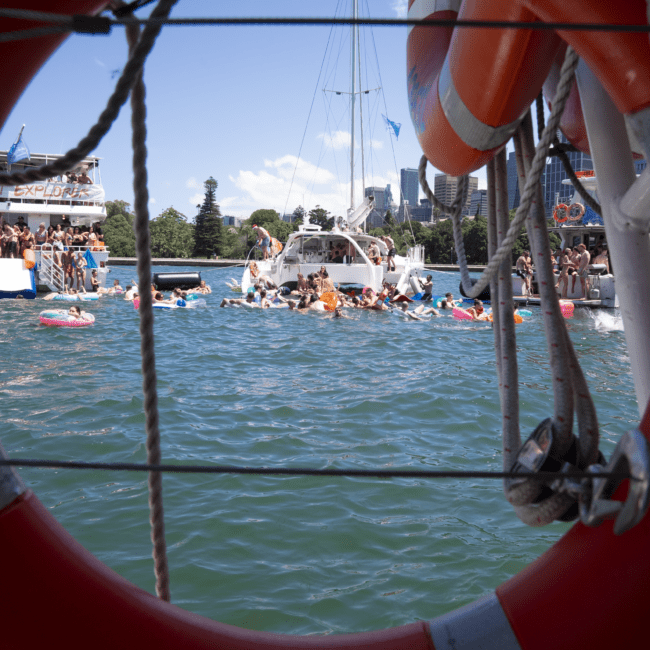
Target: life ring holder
x: 80, y: 599
x: 581, y: 211
x: 565, y: 208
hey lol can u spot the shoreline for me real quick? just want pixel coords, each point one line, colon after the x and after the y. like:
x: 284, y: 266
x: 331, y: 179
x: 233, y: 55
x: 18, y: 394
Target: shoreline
x: 160, y: 261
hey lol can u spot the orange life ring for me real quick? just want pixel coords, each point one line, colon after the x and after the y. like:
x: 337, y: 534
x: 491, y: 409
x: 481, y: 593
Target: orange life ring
x: 581, y: 211
x: 460, y: 120
x: 557, y: 208
x: 331, y: 300
x: 77, y: 598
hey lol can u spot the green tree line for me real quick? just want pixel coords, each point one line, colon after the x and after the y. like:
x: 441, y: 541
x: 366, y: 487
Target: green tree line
x: 174, y: 236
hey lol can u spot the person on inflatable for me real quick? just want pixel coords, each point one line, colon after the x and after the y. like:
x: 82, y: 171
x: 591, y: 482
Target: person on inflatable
x: 449, y: 302
x: 477, y: 311
x: 75, y: 312
x: 427, y: 288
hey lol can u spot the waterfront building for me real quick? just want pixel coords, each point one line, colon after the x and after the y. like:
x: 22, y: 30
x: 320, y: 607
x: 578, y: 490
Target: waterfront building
x: 444, y: 189
x: 409, y: 186
x: 554, y: 190
x: 479, y: 203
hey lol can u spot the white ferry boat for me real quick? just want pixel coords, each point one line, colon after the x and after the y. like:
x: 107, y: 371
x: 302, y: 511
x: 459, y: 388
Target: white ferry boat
x: 57, y: 201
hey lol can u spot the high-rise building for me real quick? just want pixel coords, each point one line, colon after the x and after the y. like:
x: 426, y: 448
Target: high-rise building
x: 479, y: 203
x: 380, y: 197
x: 554, y: 190
x: 444, y: 189
x: 409, y: 186
x: 513, y: 182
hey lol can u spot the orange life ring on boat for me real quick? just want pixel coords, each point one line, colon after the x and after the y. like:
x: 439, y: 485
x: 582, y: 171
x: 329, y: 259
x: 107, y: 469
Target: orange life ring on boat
x: 581, y: 212
x: 565, y: 208
x: 77, y: 598
x: 30, y: 258
x: 460, y: 120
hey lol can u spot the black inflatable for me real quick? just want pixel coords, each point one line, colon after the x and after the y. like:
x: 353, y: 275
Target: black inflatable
x: 167, y: 281
x: 484, y: 295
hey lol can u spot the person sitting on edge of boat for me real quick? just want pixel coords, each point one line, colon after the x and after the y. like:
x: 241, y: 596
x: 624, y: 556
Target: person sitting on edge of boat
x: 602, y: 257
x: 40, y: 236
x: 263, y: 240
x: 390, y: 258
x: 427, y: 288
x: 477, y: 310
x: 448, y: 302
x: 583, y: 269
x: 524, y: 270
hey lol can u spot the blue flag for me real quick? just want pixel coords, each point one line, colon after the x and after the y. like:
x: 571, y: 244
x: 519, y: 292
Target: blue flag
x: 18, y: 151
x: 90, y: 259
x: 391, y: 125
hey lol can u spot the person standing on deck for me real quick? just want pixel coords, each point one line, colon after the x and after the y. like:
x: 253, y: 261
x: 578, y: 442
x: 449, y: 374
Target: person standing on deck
x: 263, y: 240
x: 524, y: 270
x: 583, y: 269
x: 390, y: 258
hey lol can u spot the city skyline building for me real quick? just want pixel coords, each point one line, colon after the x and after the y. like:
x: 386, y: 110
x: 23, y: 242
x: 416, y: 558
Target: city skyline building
x: 409, y: 186
x: 479, y: 203
x: 444, y: 189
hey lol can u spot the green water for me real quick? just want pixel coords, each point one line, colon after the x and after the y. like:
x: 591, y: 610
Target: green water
x: 273, y: 388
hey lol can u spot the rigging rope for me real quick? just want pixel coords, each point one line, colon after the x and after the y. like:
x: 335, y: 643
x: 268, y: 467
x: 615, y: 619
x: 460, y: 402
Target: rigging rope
x: 145, y: 310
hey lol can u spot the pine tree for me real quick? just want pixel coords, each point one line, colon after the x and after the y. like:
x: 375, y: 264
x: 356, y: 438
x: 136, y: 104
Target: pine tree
x: 208, y: 231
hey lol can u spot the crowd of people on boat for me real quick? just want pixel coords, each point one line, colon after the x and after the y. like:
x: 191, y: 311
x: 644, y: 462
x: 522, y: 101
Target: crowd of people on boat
x: 570, y: 263
x: 15, y: 239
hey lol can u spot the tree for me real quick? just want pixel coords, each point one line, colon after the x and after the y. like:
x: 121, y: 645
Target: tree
x: 262, y: 217
x: 171, y: 235
x: 320, y: 217
x: 208, y: 232
x: 118, y: 229
x: 298, y: 216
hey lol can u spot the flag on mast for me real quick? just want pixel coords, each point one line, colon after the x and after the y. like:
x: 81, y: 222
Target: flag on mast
x: 390, y: 125
x: 19, y: 150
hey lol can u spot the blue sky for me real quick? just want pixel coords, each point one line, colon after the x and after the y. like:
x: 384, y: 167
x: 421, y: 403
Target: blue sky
x: 233, y: 103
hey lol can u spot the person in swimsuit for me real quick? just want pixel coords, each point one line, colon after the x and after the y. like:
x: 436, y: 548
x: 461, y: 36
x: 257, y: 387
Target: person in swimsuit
x: 68, y: 267
x: 448, y: 302
x: 94, y: 281
x: 403, y: 306
x: 40, y: 236
x: 427, y: 288
x: 263, y: 240
x: 477, y: 310
x: 390, y: 259
x: 80, y: 270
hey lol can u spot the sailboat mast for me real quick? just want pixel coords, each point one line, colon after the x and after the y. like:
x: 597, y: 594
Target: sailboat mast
x: 353, y: 90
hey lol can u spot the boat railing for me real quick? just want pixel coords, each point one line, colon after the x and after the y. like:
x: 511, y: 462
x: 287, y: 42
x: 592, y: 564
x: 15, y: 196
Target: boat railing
x: 416, y: 254
x: 48, y: 271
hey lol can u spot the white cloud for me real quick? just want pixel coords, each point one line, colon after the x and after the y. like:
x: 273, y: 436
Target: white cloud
x: 336, y: 140
x: 303, y: 170
x: 376, y: 144
x: 152, y: 201
x: 196, y: 199
x: 193, y: 184
x: 400, y: 7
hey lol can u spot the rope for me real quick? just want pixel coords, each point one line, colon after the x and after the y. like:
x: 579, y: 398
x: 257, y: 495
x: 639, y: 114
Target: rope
x: 148, y: 357
x: 384, y: 22
x: 296, y: 471
x: 109, y: 114
x: 527, y: 198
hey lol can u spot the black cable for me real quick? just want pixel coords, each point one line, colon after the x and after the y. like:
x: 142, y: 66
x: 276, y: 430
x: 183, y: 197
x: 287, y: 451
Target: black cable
x: 300, y: 471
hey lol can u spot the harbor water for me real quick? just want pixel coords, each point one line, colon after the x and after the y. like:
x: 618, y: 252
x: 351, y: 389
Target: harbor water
x: 298, y: 555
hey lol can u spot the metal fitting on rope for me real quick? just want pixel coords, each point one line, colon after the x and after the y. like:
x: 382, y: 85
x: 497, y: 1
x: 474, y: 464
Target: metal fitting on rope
x: 632, y: 457
x: 544, y: 452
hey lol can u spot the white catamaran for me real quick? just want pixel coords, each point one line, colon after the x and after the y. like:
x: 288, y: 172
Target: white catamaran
x: 311, y: 247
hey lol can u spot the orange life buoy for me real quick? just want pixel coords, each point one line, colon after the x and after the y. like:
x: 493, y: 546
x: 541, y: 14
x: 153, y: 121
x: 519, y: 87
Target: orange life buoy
x: 460, y: 120
x: 565, y: 208
x: 579, y: 215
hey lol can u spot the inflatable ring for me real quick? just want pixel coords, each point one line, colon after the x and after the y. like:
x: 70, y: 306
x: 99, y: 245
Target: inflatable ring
x: 581, y: 211
x: 276, y: 246
x: 565, y: 208
x: 61, y: 318
x: 30, y: 258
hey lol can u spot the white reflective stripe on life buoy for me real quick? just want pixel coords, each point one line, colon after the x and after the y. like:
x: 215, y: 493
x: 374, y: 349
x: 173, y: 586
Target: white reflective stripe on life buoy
x: 481, y: 625
x: 467, y: 126
x: 421, y: 9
